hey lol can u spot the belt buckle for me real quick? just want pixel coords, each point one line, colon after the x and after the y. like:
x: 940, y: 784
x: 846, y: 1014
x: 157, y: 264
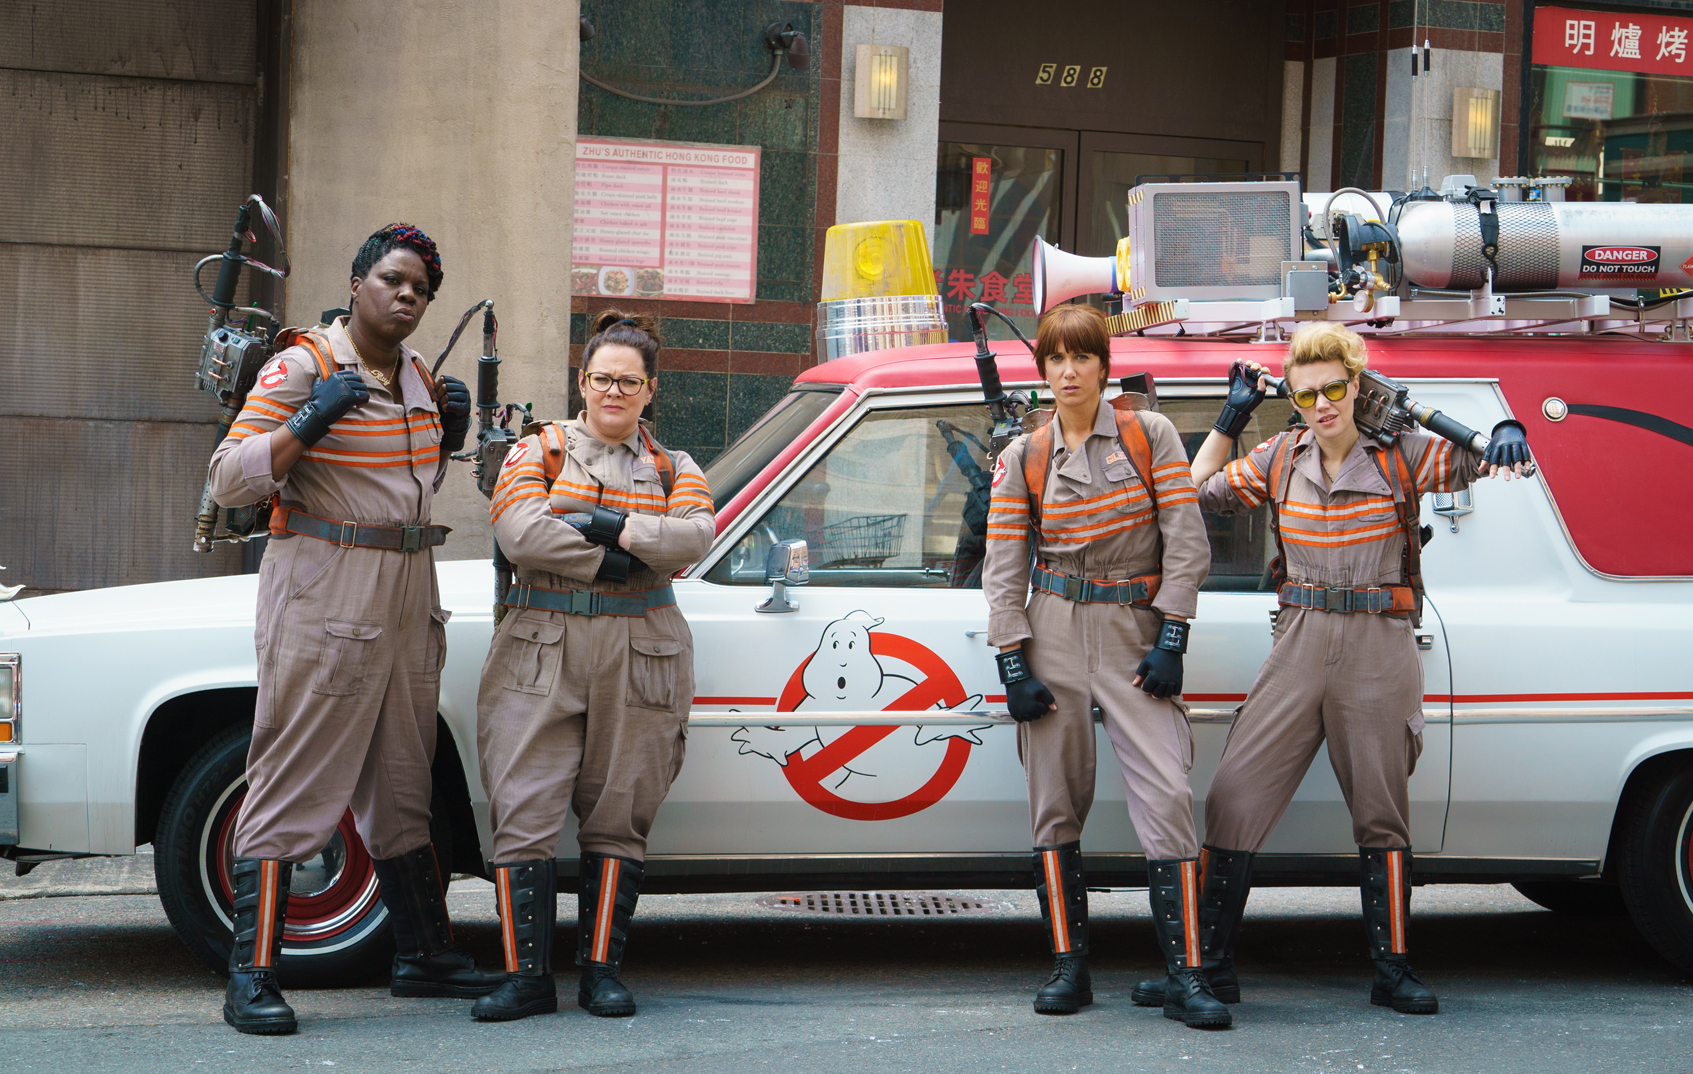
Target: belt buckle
x: 1074, y: 588
x: 522, y: 592
x: 1308, y: 596
x: 581, y: 603
x: 348, y: 536
x: 411, y: 538
x: 1373, y: 596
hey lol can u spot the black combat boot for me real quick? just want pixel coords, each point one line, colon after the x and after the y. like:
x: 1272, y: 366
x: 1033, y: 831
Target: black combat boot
x: 1386, y: 886
x: 527, y: 895
x: 1173, y: 886
x: 253, y: 1001
x: 1225, y: 879
x: 1062, y: 888
x: 610, y: 888
x: 426, y: 961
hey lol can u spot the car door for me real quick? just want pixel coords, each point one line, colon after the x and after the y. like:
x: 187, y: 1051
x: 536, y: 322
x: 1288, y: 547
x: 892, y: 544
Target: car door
x: 893, y: 618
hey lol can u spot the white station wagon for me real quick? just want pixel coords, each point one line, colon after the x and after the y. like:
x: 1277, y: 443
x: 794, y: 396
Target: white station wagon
x: 844, y: 733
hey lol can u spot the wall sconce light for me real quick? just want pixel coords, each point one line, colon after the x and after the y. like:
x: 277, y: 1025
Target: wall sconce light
x: 879, y: 84
x: 1475, y: 122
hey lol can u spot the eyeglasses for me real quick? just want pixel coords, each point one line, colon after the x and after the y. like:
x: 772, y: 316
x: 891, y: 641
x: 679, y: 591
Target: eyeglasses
x: 1306, y: 398
x: 602, y: 382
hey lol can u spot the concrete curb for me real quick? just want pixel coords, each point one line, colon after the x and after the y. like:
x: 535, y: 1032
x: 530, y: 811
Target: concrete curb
x: 129, y: 875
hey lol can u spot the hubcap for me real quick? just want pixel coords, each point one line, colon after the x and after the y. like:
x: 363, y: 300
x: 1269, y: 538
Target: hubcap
x: 323, y: 872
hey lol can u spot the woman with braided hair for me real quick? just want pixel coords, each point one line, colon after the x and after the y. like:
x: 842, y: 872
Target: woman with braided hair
x: 586, y: 689
x: 350, y: 433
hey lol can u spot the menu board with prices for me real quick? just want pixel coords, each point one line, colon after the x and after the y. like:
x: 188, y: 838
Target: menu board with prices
x: 675, y: 220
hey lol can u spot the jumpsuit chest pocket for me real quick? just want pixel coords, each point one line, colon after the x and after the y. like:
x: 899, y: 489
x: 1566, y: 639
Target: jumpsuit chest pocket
x: 535, y: 647
x: 348, y: 645
x: 652, y: 671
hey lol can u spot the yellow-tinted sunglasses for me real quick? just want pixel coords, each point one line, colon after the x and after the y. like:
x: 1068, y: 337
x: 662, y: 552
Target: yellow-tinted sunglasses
x: 1306, y: 398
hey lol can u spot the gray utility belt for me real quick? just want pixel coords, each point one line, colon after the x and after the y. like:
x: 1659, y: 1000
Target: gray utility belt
x: 362, y: 535
x: 1139, y: 590
x: 587, y: 602
x: 1375, y: 600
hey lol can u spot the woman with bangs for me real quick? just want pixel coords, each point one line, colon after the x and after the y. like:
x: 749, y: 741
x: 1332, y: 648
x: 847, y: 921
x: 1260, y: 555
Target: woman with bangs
x: 1096, y: 511
x: 1343, y: 666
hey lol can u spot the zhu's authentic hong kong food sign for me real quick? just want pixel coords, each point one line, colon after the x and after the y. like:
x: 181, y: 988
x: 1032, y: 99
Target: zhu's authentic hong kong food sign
x: 674, y: 220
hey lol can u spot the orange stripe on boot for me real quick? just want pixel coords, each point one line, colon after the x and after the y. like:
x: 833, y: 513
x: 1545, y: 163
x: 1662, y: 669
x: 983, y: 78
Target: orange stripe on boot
x: 1396, y: 900
x: 508, y: 926
x: 602, y: 918
x: 1056, y: 903
x: 1190, y: 913
x: 265, y: 933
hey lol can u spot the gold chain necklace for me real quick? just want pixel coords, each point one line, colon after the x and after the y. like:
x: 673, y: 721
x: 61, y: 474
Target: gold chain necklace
x: 382, y: 379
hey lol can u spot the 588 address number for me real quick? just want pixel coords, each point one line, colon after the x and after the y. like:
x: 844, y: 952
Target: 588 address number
x: 1070, y: 76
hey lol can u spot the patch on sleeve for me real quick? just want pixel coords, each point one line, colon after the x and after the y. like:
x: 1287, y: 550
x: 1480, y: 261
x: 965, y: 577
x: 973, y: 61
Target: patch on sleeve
x: 273, y: 374
x: 515, y: 455
x: 1265, y: 446
x: 998, y: 470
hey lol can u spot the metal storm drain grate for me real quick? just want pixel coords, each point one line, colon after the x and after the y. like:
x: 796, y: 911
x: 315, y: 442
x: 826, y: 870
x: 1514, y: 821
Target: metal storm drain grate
x: 881, y: 904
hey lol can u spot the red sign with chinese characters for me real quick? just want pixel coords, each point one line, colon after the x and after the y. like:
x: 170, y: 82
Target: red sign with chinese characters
x: 980, y: 178
x: 1613, y: 41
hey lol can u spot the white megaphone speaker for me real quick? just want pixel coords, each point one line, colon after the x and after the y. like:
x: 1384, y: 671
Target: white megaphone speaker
x: 1060, y: 276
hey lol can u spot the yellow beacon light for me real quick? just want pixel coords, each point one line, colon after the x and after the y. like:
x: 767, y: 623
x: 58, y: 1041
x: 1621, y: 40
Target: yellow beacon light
x: 882, y: 257
x: 878, y: 290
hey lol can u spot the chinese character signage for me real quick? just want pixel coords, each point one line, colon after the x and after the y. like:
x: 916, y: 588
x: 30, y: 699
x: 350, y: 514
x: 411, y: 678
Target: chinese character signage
x: 1612, y: 41
x: 674, y: 220
x: 981, y: 170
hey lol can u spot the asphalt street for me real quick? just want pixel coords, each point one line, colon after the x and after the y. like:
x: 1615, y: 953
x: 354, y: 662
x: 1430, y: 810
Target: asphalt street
x: 94, y: 983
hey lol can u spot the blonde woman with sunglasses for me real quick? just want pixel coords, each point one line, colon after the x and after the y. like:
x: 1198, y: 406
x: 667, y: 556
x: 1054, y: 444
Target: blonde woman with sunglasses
x: 1344, y: 665
x: 585, y: 693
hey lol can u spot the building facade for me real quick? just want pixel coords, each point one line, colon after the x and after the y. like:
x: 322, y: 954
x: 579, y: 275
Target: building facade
x: 134, y: 134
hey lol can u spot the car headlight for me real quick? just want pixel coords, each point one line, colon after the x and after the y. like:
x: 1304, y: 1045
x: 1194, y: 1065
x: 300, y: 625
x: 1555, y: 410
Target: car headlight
x: 11, y: 703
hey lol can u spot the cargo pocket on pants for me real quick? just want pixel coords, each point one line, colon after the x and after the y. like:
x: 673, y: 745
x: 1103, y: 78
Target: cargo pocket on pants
x: 652, y: 672
x: 347, y: 644
x: 535, y: 642
x: 435, y: 652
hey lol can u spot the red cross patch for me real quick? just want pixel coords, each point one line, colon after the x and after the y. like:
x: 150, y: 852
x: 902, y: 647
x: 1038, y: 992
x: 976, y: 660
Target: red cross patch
x: 273, y: 374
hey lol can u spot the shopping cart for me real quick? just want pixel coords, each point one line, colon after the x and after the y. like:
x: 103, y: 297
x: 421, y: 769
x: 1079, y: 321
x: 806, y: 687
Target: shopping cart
x: 861, y: 541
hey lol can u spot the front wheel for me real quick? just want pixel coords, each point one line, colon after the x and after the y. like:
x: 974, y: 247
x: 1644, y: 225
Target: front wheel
x: 1657, y: 864
x: 337, y: 928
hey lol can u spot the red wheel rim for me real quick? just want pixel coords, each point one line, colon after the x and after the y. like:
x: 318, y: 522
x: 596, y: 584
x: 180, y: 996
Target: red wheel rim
x: 311, y: 919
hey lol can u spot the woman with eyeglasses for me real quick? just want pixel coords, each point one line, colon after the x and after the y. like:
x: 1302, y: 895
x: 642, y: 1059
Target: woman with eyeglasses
x: 1343, y: 666
x: 586, y: 690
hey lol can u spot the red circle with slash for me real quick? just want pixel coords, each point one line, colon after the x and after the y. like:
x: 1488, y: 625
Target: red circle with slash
x: 940, y: 684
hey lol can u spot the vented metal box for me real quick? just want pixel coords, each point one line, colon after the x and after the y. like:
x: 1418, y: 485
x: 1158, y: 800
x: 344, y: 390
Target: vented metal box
x: 1211, y: 241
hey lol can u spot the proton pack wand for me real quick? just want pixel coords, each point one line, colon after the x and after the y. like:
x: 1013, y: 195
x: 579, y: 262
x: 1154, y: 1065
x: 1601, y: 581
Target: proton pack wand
x: 1006, y: 409
x: 231, y: 357
x: 1383, y: 410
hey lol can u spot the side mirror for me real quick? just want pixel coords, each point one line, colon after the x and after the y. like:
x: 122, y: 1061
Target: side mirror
x: 789, y: 563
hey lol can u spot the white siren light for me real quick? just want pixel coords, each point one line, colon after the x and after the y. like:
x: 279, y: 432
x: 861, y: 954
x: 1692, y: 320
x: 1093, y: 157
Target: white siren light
x: 1060, y: 276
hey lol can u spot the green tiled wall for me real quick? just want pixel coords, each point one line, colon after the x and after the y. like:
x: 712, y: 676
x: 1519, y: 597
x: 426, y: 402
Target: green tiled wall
x: 710, y: 48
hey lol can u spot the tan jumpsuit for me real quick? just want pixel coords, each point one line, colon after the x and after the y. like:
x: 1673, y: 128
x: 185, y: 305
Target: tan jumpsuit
x: 1351, y: 678
x: 350, y: 640
x: 588, y: 711
x: 1098, y: 523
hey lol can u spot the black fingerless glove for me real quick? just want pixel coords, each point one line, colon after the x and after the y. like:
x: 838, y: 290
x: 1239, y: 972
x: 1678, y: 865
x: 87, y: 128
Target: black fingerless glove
x: 1161, y: 672
x: 455, y: 413
x: 1508, y: 446
x: 332, y: 397
x: 1244, y: 397
x: 1024, y: 695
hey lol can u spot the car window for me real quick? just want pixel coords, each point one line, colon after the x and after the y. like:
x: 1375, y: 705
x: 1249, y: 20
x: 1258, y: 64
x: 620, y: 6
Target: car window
x: 729, y: 472
x: 901, y: 500
x: 1241, y: 545
x: 886, y: 507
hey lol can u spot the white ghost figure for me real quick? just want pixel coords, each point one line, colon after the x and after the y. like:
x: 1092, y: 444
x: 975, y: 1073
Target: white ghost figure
x: 843, y: 675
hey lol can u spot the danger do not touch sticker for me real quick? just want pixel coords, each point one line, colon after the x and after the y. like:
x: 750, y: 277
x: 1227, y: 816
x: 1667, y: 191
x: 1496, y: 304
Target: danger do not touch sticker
x: 1619, y: 262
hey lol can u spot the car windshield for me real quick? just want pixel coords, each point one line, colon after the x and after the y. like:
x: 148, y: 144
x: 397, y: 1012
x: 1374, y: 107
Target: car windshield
x: 748, y: 456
